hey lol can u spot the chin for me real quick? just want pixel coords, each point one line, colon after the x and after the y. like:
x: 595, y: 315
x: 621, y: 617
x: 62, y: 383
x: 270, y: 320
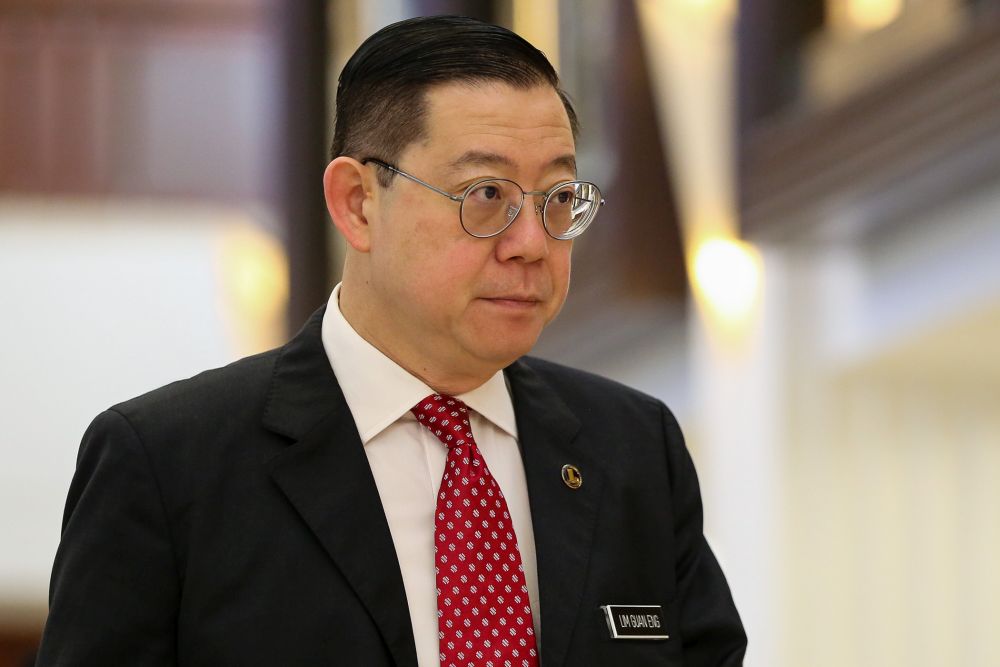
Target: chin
x: 502, y: 356
x: 501, y: 341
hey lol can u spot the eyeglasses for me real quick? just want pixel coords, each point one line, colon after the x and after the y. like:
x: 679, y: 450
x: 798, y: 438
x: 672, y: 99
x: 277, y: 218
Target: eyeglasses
x: 490, y: 205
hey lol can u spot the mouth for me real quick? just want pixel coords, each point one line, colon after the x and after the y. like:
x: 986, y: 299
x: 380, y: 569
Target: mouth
x: 514, y: 301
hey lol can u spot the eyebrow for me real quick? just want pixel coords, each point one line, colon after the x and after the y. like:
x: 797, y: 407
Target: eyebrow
x: 488, y: 159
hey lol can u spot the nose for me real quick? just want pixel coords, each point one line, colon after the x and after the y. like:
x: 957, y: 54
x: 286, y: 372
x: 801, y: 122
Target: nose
x: 525, y: 240
x: 512, y: 210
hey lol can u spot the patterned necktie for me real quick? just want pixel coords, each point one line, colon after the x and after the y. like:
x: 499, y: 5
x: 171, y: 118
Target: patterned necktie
x: 484, y: 616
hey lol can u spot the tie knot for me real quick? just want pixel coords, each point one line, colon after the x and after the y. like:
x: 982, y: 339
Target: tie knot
x: 446, y: 417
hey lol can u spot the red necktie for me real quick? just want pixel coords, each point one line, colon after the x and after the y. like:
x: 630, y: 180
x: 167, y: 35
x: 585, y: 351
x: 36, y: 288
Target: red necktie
x: 484, y: 616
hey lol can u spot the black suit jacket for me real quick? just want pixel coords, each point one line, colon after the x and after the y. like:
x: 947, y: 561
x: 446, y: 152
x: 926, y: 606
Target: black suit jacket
x: 232, y: 519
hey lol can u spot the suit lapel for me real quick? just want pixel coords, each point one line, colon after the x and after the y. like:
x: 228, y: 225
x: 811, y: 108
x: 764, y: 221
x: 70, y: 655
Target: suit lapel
x: 325, y: 475
x: 563, y: 518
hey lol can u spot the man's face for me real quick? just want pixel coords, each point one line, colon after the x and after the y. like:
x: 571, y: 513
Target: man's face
x: 453, y: 301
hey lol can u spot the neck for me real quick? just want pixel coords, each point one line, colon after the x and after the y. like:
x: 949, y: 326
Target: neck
x: 444, y: 378
x: 452, y: 385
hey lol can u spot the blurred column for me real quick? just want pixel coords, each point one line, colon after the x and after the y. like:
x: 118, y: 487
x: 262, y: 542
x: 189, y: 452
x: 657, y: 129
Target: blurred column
x: 538, y: 22
x: 735, y: 334
x: 304, y: 120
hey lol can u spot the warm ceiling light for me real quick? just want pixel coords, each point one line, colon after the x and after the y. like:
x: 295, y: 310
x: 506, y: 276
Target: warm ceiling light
x: 704, y: 7
x: 728, y: 275
x: 871, y: 15
x: 255, y: 272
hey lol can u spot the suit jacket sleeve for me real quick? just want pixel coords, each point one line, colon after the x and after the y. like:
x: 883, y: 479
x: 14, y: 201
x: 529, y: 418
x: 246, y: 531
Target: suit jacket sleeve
x: 710, y: 625
x: 115, y: 587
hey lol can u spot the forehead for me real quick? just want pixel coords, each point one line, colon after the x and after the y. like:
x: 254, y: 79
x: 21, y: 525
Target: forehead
x: 519, y: 127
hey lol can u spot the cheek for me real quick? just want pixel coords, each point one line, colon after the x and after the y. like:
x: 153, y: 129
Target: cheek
x: 559, y: 273
x: 402, y: 243
x: 459, y: 267
x: 437, y: 275
x: 560, y: 261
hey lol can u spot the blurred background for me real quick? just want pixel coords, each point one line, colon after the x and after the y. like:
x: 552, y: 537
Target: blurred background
x: 800, y: 254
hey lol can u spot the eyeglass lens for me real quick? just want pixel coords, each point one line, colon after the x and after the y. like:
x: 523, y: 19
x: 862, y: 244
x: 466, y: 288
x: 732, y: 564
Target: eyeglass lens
x: 488, y: 207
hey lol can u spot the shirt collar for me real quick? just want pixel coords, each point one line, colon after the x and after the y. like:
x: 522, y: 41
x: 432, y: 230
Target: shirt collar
x: 379, y: 391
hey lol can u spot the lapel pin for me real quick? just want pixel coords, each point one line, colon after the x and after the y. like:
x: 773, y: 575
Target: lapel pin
x: 571, y: 476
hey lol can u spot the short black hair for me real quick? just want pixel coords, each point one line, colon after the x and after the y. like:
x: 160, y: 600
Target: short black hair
x: 381, y: 93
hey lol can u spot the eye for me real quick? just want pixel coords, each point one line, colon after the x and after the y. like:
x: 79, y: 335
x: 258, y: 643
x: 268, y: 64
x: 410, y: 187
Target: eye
x: 486, y: 193
x: 564, y: 197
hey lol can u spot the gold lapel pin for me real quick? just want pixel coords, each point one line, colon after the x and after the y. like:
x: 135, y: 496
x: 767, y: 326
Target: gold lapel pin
x: 571, y: 476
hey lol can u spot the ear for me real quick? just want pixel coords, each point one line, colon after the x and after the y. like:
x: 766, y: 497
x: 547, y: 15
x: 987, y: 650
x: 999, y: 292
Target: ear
x: 348, y: 184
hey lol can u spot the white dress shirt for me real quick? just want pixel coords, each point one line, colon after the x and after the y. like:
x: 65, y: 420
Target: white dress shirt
x: 408, y: 461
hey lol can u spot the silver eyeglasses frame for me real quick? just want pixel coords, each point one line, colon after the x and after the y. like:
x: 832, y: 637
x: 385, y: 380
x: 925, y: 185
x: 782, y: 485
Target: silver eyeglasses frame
x: 539, y: 208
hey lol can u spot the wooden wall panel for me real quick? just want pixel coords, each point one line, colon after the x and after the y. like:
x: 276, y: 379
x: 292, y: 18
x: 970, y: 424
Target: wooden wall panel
x: 72, y: 77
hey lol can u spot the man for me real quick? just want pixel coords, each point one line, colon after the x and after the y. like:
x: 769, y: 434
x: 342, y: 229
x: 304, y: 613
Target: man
x: 396, y: 485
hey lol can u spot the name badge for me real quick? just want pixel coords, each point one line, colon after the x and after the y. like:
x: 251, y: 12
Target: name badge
x: 635, y: 621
